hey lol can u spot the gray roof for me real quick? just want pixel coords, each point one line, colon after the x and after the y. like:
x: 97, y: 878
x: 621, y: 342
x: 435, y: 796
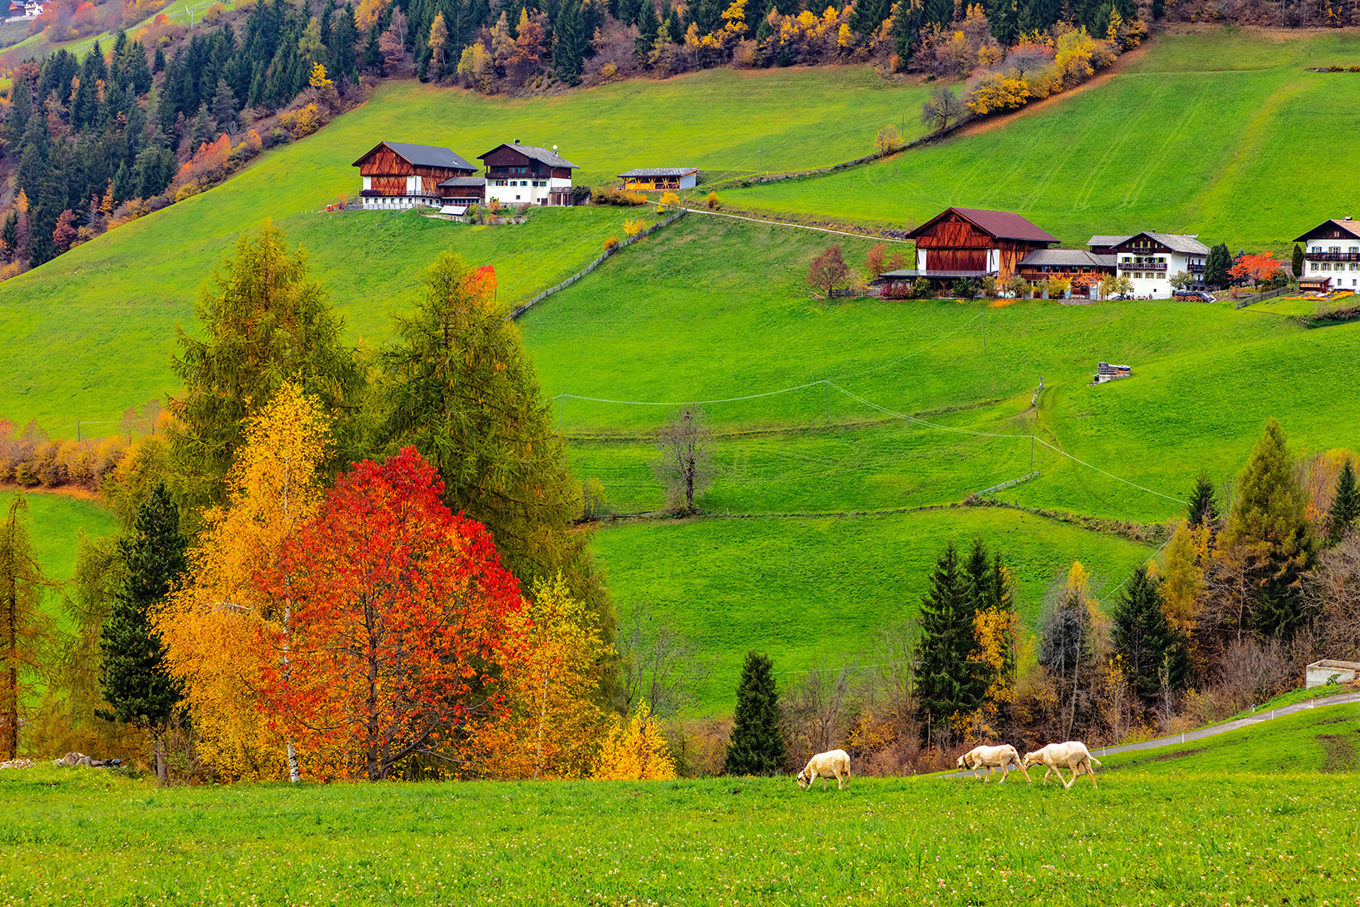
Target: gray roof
x: 1071, y: 258
x: 1176, y: 242
x: 424, y: 156
x: 459, y: 182
x: 660, y: 171
x: 551, y: 158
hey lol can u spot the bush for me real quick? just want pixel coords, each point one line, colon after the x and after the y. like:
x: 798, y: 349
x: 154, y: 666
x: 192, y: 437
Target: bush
x: 668, y: 200
x: 607, y: 196
x: 713, y: 203
x: 611, y: 244
x: 634, y: 227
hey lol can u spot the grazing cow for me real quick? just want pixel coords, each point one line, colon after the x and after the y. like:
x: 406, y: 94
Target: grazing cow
x: 826, y: 765
x: 1072, y: 754
x: 991, y: 758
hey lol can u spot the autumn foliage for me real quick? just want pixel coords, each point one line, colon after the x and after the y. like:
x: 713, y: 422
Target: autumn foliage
x: 635, y: 750
x: 1255, y: 268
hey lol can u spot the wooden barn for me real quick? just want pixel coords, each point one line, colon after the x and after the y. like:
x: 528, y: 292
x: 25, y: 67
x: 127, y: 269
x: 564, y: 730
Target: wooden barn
x: 660, y: 179
x: 972, y: 243
x: 398, y: 175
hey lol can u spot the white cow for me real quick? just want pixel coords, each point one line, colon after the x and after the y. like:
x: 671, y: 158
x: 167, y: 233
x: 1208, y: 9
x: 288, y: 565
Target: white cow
x: 1072, y: 754
x: 1004, y: 757
x: 826, y: 765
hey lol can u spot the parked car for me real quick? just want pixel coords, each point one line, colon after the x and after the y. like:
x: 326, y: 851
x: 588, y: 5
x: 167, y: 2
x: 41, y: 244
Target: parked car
x: 1194, y: 294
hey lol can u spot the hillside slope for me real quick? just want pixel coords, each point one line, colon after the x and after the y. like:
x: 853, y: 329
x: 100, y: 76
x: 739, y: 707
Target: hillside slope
x: 1218, y: 132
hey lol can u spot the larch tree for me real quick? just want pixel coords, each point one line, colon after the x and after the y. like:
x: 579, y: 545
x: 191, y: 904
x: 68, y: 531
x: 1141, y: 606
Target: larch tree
x: 1067, y: 648
x: 550, y: 724
x: 947, y: 682
x: 996, y: 629
x: 756, y: 746
x: 264, y: 322
x: 137, y: 685
x: 1268, y: 529
x: 401, y: 608
x: 459, y: 387
x: 684, y: 464
x: 635, y: 750
x: 1182, y: 580
x: 23, y: 628
x: 228, y: 627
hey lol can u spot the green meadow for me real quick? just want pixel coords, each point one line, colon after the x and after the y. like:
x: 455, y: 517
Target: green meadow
x: 1212, y: 132
x: 1256, y: 818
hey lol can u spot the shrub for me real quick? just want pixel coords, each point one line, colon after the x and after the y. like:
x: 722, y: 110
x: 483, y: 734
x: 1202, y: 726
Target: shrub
x: 633, y: 227
x: 611, y: 244
x: 607, y: 196
x: 668, y: 200
x: 888, y: 140
x: 713, y: 203
x: 301, y: 122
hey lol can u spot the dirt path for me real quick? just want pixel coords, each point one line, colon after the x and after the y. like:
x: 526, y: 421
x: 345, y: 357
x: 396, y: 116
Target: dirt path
x: 1213, y: 730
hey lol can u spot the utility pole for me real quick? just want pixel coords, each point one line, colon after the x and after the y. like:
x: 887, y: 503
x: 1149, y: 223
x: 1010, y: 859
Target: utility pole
x: 827, y: 396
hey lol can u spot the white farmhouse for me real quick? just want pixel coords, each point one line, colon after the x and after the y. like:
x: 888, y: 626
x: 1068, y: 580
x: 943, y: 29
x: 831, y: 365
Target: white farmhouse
x: 1331, y: 257
x: 524, y: 175
x: 1150, y: 259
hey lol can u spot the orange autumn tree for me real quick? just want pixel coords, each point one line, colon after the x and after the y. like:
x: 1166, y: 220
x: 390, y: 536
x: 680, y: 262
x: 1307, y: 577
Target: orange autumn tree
x: 550, y: 725
x: 402, y: 607
x: 224, y: 629
x: 1255, y: 268
x: 636, y: 751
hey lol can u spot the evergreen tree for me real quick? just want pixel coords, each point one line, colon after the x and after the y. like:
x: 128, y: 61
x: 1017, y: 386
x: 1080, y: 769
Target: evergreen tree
x: 1004, y: 16
x: 648, y: 25
x: 1153, y: 654
x: 158, y: 64
x: 673, y: 27
x: 1203, y: 509
x: 756, y: 746
x: 945, y: 680
x: 1158, y: 10
x: 906, y: 24
x: 1216, y: 266
x: 1297, y: 262
x: 570, y: 42
x: 459, y: 387
x: 374, y: 62
x: 205, y: 130
x: 224, y: 108
x: 265, y: 322
x: 135, y: 683
x: 1345, y: 509
x: 1268, y: 526
x: 21, y: 636
x: 1067, y: 650
x: 937, y: 12
x: 868, y: 15
x: 1039, y: 15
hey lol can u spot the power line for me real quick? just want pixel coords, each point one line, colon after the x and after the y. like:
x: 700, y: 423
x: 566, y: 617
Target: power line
x: 782, y: 223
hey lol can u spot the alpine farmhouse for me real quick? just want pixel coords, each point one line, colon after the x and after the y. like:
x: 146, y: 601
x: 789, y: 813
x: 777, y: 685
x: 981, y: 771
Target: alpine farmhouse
x: 1331, y: 256
x: 397, y: 175
x: 525, y: 175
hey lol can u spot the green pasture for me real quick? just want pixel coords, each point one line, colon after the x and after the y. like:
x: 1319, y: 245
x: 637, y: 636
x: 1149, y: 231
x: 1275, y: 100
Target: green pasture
x: 1211, y: 132
x: 54, y: 523
x: 97, y: 323
x: 1198, y: 830
x: 815, y: 592
x: 181, y: 12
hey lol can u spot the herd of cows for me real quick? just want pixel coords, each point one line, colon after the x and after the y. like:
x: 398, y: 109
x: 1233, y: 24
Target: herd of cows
x: 1073, y: 754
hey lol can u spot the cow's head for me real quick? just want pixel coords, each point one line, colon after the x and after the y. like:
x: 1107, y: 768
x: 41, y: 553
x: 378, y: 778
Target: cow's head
x: 1032, y: 759
x: 802, y: 779
x: 963, y: 762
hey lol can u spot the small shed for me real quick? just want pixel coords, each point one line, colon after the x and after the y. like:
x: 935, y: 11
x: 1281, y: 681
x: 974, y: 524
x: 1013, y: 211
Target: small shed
x: 660, y: 179
x: 1329, y: 670
x: 1106, y: 372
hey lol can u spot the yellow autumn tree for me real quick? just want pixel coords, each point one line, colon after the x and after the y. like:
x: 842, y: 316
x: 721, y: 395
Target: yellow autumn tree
x: 220, y: 630
x: 550, y: 725
x: 635, y: 750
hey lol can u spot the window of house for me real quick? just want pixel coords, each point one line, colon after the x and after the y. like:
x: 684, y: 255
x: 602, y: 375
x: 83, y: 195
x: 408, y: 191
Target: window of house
x: 1355, y: 250
x: 1313, y: 266
x: 1326, y: 267
x: 1315, y: 249
x: 1335, y: 250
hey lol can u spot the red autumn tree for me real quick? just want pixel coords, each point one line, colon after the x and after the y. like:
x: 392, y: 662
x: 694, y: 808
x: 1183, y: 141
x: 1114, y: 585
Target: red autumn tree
x: 65, y: 232
x: 401, y: 607
x: 1255, y: 268
x: 828, y: 270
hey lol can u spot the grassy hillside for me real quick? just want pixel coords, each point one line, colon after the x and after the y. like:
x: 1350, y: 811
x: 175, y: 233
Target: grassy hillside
x: 54, y: 523
x: 1212, y: 132
x: 816, y: 592
x: 1148, y: 835
x: 99, y: 320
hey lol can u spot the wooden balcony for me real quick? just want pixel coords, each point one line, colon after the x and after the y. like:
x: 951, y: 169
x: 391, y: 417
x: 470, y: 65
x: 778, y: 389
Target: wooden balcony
x: 1331, y: 256
x: 1142, y: 266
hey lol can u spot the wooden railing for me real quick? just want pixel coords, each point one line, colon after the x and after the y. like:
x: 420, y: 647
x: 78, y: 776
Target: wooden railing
x: 1331, y: 256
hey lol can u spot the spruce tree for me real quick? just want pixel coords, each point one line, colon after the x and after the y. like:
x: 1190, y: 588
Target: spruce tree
x: 570, y: 42
x: 1158, y: 10
x: 1152, y: 651
x: 1039, y: 15
x: 1004, y: 16
x: 756, y: 746
x: 1297, y: 262
x: 868, y: 15
x: 945, y: 680
x: 1345, y: 509
x: 648, y: 26
x: 1216, y: 266
x: 937, y: 12
x: 673, y: 27
x: 135, y: 683
x: 906, y: 24
x: 1269, y: 527
x: 1203, y: 510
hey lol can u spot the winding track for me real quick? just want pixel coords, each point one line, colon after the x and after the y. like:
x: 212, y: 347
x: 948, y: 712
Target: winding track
x: 1212, y: 730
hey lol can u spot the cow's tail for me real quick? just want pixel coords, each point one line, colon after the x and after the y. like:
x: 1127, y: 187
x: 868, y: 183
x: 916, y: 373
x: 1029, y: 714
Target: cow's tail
x: 1094, y: 760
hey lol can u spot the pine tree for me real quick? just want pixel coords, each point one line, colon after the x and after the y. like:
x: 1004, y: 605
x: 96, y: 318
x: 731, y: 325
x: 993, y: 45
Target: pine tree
x: 205, y: 130
x: 906, y: 24
x: 1153, y: 654
x: 1203, y: 510
x: 1345, y: 509
x: 570, y: 42
x: 937, y: 12
x: 224, y: 108
x: 21, y: 621
x: 648, y: 26
x: 756, y: 746
x: 135, y: 682
x: 673, y: 27
x: 1269, y: 528
x: 1004, y: 16
x: 1297, y: 263
x: 945, y: 680
x: 1039, y: 15
x: 1216, y: 266
x: 868, y: 15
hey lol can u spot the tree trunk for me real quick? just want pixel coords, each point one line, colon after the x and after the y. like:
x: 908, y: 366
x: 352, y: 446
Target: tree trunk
x: 9, y: 711
x: 162, y: 770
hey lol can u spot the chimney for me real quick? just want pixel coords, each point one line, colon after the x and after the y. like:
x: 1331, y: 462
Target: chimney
x: 1347, y: 217
x: 516, y: 141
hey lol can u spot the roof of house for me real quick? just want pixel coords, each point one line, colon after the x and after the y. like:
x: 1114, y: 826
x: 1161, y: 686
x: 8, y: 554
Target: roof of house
x: 422, y: 156
x: 1072, y: 258
x: 1000, y: 224
x: 460, y: 182
x: 551, y: 158
x: 1176, y: 242
x: 1350, y: 226
x: 660, y: 171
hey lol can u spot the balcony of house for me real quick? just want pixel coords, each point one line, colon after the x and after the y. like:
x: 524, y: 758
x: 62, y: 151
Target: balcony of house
x: 1142, y: 266
x: 1331, y: 256
x: 1196, y: 267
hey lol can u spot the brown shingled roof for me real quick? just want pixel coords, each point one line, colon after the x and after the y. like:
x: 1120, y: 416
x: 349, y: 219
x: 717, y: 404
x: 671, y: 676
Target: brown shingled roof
x: 1000, y: 224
